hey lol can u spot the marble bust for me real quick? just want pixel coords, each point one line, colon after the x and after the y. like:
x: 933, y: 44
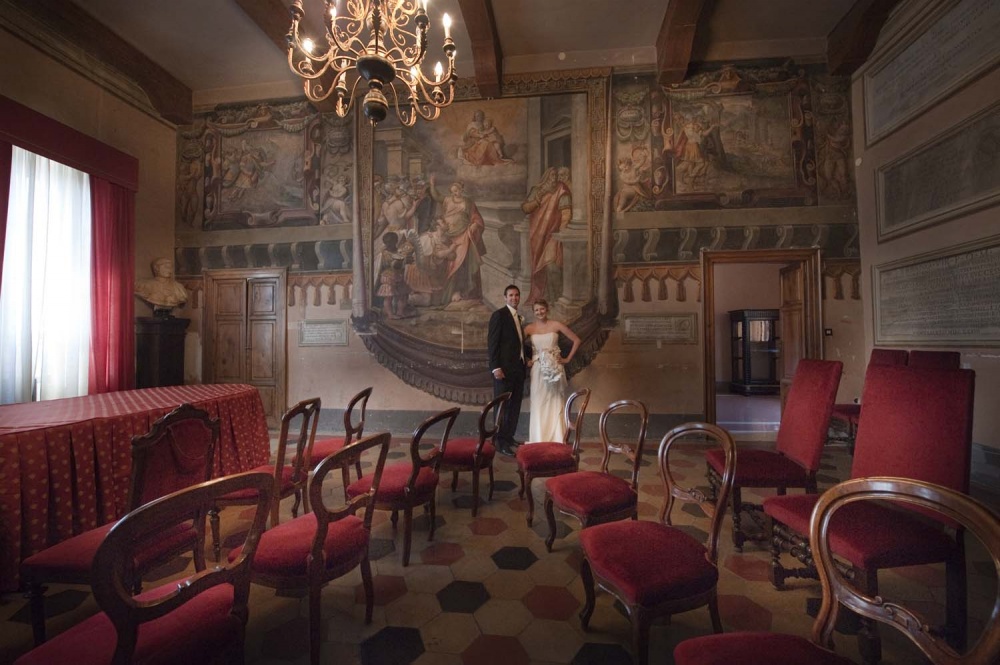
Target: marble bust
x: 162, y: 293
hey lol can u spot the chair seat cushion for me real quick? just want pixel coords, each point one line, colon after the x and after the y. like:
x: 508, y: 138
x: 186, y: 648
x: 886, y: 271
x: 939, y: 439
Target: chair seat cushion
x: 193, y: 633
x: 283, y: 550
x: 545, y: 456
x: 754, y: 649
x: 323, y: 448
x: 393, y: 487
x: 460, y: 451
x: 647, y: 561
x: 251, y: 494
x: 846, y: 412
x: 74, y: 556
x: 760, y: 468
x: 591, y: 493
x: 868, y: 535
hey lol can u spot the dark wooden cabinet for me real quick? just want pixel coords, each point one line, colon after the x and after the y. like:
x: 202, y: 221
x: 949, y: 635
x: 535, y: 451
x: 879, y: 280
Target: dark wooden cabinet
x: 159, y: 351
x: 754, y: 345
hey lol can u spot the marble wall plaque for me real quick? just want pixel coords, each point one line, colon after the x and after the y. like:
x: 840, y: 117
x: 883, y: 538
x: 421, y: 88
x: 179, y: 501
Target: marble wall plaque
x: 670, y: 328
x: 956, y: 48
x: 945, y: 298
x: 952, y: 175
x: 323, y: 333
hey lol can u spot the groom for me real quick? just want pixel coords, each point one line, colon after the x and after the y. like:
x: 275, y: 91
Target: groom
x: 508, y: 356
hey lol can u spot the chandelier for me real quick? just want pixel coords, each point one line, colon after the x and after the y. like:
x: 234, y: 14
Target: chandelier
x: 381, y: 43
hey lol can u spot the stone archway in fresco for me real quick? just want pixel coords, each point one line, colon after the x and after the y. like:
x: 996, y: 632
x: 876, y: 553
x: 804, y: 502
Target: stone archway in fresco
x: 494, y: 192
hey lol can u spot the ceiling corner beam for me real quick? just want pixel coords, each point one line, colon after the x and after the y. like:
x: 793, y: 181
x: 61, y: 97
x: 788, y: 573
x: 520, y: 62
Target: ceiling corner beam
x: 676, y: 39
x: 487, y: 55
x: 170, y: 97
x: 851, y: 41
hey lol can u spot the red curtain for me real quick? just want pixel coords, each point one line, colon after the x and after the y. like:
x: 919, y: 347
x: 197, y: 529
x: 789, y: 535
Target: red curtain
x: 112, y: 357
x: 6, y: 154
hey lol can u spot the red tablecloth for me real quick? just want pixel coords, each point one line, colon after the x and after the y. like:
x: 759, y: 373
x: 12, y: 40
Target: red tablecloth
x: 64, y: 464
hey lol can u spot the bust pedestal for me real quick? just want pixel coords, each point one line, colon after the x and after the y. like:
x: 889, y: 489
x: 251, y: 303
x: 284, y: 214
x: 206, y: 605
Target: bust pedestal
x: 159, y: 351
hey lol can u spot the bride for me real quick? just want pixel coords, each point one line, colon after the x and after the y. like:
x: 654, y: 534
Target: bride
x: 548, y: 376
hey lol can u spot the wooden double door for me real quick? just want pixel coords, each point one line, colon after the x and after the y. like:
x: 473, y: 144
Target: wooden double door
x: 244, y: 333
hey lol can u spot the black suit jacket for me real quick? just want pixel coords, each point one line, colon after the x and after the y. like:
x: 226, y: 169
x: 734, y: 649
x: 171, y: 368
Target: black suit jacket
x: 504, y: 344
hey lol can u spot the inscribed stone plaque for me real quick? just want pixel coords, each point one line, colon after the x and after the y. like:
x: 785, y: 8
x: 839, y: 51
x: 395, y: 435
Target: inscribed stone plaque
x: 322, y: 333
x: 947, y: 298
x: 951, y: 176
x: 957, y: 47
x: 671, y: 328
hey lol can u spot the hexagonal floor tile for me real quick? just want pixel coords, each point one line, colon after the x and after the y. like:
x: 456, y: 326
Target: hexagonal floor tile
x: 505, y: 486
x: 287, y: 641
x: 461, y: 596
x: 508, y: 584
x: 487, y: 526
x: 503, y: 617
x: 750, y: 568
x: 602, y: 654
x: 413, y: 610
x: 541, y: 526
x: 514, y: 558
x: 495, y: 650
x: 392, y: 646
x: 380, y: 547
x: 551, y: 602
x: 387, y: 589
x: 428, y: 579
x: 441, y: 554
x: 741, y: 613
x: 473, y: 567
x: 551, y: 641
x: 450, y: 632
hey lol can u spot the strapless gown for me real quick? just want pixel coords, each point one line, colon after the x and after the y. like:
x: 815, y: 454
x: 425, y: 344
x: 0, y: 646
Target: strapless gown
x: 548, y: 389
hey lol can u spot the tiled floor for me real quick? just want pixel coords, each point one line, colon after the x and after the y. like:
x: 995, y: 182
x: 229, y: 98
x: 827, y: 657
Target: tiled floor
x: 486, y: 591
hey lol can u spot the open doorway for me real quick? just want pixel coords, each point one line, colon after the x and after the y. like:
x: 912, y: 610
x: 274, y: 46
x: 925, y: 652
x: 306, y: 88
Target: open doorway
x: 798, y: 328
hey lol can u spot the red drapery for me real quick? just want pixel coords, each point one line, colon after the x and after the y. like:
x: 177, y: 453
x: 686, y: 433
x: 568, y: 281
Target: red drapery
x: 112, y: 359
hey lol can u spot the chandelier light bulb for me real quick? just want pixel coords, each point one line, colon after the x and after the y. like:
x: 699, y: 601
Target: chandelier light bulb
x: 446, y: 20
x: 438, y: 71
x: 308, y: 45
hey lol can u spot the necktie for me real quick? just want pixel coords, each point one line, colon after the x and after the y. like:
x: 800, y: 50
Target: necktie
x: 520, y: 335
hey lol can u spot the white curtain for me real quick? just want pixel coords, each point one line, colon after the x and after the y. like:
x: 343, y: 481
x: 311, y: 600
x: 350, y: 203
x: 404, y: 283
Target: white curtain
x: 45, y: 296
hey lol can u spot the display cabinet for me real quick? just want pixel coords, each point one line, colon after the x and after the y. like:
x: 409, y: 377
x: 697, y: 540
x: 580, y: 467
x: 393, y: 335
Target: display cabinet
x: 754, y: 341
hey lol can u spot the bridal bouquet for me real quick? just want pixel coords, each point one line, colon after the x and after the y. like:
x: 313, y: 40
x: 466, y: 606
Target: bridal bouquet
x: 548, y: 365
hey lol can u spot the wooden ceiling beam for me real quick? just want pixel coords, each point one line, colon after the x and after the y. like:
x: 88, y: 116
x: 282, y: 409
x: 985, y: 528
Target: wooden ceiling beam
x: 170, y: 97
x: 676, y: 39
x: 851, y: 41
x: 487, y: 55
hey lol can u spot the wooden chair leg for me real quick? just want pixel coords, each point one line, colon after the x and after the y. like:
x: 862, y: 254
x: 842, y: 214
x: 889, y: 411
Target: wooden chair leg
x: 366, y: 580
x: 213, y: 520
x: 640, y: 636
x: 345, y: 474
x: 738, y: 536
x: 869, y: 642
x: 777, y: 572
x: 454, y: 480
x: 531, y: 501
x: 432, y: 504
x: 295, y: 507
x: 713, y: 611
x: 314, y: 623
x: 550, y: 515
x: 407, y: 532
x: 475, y: 492
x: 587, y: 577
x: 357, y: 469
x: 520, y: 474
x: 394, y: 518
x: 36, y: 601
x: 490, y: 498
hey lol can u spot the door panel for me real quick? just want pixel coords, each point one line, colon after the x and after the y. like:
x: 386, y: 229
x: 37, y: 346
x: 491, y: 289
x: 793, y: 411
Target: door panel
x: 792, y: 323
x: 228, y: 347
x: 262, y: 359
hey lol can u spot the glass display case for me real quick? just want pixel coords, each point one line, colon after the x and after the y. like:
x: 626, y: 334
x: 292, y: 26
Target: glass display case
x: 754, y: 341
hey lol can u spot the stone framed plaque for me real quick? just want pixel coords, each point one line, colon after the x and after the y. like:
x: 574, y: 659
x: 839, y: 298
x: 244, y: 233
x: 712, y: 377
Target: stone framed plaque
x: 950, y: 176
x: 950, y: 297
x: 955, y: 48
x: 323, y: 333
x: 668, y: 328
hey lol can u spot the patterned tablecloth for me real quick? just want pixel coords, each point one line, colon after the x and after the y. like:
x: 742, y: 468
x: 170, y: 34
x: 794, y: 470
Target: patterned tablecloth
x: 65, y: 464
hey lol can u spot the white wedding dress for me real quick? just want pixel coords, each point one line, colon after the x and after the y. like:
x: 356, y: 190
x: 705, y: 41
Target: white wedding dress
x: 548, y: 389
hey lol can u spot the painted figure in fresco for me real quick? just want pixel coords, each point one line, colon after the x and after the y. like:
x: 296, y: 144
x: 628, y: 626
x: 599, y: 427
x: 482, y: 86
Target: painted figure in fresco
x: 836, y: 151
x: 395, y: 204
x: 549, y: 207
x: 428, y: 274
x: 635, y: 177
x: 509, y: 354
x: 482, y: 143
x: 698, y: 144
x: 250, y: 163
x: 464, y: 227
x: 420, y: 216
x: 392, y: 286
x: 190, y: 175
x: 336, y: 209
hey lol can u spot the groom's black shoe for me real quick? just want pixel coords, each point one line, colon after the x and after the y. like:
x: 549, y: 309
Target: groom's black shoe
x: 506, y: 447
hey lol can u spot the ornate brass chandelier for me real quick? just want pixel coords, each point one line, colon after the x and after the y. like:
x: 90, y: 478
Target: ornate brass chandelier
x: 383, y: 44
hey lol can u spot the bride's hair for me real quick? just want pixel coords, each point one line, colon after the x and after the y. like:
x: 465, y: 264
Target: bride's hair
x: 541, y: 301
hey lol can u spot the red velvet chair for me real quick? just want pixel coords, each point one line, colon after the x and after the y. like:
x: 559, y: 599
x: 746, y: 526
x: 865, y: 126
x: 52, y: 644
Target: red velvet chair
x: 325, y: 446
x: 596, y: 497
x: 176, y: 453
x: 917, y: 424
x: 309, y: 551
x: 545, y: 459
x: 196, y: 620
x: 655, y: 569
x: 847, y: 414
x: 410, y: 484
x: 289, y: 469
x: 935, y: 359
x: 805, y: 423
x: 777, y: 649
x: 474, y: 453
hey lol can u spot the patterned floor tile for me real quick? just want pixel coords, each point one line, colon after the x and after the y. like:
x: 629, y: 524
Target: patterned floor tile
x: 503, y: 617
x: 495, y: 650
x: 551, y: 641
x: 450, y: 632
x: 551, y: 602
x: 412, y: 610
x: 441, y: 554
x: 514, y: 558
x: 592, y: 653
x: 392, y: 645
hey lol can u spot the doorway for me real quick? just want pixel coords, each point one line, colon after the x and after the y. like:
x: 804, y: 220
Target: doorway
x: 799, y: 324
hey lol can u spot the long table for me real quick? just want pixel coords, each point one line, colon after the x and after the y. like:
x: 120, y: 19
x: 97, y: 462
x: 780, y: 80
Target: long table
x: 65, y: 464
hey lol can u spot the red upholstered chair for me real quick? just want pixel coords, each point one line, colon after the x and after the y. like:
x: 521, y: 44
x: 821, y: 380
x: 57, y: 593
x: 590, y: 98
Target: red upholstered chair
x: 805, y: 423
x: 325, y: 446
x: 935, y: 359
x: 847, y: 414
x: 653, y: 568
x: 407, y: 485
x: 290, y: 471
x: 196, y: 620
x: 596, y: 497
x: 309, y: 551
x: 474, y: 453
x: 545, y: 459
x: 776, y: 649
x: 176, y: 453
x: 917, y: 424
